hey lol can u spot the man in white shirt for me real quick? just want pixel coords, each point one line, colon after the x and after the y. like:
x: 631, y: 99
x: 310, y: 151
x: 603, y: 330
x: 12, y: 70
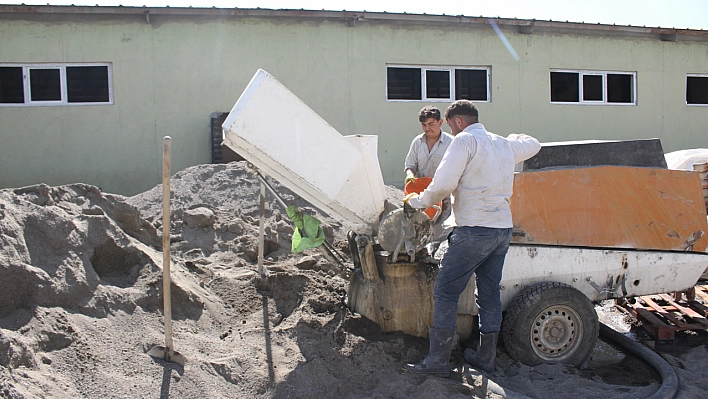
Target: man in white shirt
x: 427, y: 149
x: 478, y: 170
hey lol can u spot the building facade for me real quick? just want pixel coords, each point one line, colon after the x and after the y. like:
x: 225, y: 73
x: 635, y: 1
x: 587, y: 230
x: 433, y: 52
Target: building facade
x: 88, y: 93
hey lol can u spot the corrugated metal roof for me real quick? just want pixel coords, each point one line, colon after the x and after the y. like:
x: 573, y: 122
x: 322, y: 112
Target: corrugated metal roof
x: 524, y: 26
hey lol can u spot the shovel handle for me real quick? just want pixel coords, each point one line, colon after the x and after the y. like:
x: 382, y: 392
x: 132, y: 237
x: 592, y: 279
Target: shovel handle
x: 166, y: 245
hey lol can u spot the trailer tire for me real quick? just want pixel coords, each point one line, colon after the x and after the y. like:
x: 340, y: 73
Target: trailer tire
x: 550, y: 323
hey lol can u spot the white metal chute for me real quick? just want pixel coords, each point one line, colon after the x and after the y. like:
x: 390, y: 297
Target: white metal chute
x: 274, y: 130
x: 369, y: 167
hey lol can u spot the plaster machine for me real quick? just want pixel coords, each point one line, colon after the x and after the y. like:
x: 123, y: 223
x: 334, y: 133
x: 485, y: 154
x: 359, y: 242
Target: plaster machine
x: 592, y: 221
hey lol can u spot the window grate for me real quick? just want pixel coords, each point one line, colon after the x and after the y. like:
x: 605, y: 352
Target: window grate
x: 697, y: 90
x: 593, y: 87
x: 437, y: 83
x: 55, y: 84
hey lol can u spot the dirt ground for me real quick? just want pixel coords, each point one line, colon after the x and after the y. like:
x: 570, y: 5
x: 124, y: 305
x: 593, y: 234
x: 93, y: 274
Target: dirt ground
x: 80, y: 305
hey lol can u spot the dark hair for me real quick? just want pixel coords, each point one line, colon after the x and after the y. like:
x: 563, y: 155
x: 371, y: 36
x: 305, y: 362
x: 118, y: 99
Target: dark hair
x: 464, y: 109
x: 429, y: 112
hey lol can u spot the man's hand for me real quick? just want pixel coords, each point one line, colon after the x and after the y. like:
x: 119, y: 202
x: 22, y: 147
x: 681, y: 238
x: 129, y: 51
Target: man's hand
x: 409, y: 177
x: 407, y: 198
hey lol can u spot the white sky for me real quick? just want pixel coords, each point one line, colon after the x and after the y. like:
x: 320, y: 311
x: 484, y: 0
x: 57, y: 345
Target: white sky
x: 681, y: 14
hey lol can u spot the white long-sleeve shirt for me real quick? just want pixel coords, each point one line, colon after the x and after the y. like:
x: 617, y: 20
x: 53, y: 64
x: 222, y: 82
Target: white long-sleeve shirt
x: 424, y: 162
x: 478, y: 170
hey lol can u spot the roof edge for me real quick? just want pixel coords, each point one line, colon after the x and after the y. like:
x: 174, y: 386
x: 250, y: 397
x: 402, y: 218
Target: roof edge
x: 524, y: 26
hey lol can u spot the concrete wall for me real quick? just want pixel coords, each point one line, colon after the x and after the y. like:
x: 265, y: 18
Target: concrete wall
x: 171, y: 74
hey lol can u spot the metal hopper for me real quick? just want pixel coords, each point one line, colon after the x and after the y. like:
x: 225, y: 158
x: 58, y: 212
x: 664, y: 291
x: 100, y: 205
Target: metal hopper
x: 279, y: 134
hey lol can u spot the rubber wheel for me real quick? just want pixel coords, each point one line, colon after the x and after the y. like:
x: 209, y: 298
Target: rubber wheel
x: 550, y: 323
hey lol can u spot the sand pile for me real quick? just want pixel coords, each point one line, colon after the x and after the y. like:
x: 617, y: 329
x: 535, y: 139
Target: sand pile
x: 80, y: 305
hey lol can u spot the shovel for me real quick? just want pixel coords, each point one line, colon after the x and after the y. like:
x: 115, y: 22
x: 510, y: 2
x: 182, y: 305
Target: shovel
x: 166, y: 352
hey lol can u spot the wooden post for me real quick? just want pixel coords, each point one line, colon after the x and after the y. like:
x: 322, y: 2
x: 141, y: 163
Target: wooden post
x: 166, y: 246
x: 261, y: 232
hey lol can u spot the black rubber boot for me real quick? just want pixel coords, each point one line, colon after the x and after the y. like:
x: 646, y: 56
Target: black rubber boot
x: 437, y: 362
x: 483, y: 358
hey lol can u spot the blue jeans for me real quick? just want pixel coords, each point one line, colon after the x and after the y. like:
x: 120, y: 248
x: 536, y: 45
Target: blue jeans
x: 479, y: 250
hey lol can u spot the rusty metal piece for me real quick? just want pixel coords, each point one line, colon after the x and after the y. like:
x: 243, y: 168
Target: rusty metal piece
x: 367, y: 259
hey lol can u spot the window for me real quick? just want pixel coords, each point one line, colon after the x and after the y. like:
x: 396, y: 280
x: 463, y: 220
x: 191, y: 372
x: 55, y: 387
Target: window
x: 404, y: 84
x: 471, y: 84
x: 697, y: 90
x: 419, y: 83
x: 87, y: 84
x: 565, y: 87
x: 45, y: 84
x: 11, y: 86
x: 55, y: 84
x: 437, y: 84
x: 593, y: 87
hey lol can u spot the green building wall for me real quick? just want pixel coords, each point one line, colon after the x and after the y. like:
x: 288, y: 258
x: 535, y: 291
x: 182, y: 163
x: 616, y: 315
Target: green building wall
x: 171, y: 73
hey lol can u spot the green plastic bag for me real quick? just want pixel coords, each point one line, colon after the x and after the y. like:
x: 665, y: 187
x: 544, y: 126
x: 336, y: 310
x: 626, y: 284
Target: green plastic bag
x: 313, y: 237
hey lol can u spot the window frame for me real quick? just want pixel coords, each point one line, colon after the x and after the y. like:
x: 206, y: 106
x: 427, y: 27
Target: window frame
x: 603, y: 80
x: 423, y: 82
x: 583, y: 72
x: 694, y: 75
x: 62, y: 83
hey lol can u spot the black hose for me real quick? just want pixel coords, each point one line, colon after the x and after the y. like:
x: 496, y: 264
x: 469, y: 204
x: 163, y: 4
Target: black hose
x: 669, y: 381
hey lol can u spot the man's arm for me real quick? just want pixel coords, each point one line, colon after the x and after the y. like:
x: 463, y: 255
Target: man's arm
x: 448, y: 174
x: 411, y: 163
x: 523, y: 146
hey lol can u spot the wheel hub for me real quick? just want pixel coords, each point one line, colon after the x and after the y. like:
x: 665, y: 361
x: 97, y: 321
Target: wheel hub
x: 556, y: 332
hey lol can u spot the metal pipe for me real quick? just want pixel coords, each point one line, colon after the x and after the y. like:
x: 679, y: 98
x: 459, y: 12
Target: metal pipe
x: 328, y: 247
x: 269, y: 187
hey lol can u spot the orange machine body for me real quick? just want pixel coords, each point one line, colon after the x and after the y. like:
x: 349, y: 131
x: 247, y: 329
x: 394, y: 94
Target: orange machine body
x: 610, y: 207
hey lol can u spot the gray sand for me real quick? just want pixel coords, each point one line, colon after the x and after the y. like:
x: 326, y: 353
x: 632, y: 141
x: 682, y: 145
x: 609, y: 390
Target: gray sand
x: 80, y: 305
